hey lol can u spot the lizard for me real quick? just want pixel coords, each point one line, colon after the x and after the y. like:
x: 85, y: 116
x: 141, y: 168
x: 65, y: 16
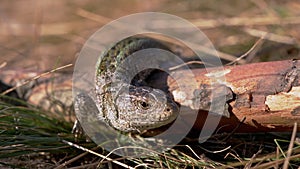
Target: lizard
x: 132, y: 108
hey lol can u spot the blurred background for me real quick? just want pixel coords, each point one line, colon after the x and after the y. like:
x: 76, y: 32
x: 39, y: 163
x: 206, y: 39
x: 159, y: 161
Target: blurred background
x: 39, y: 35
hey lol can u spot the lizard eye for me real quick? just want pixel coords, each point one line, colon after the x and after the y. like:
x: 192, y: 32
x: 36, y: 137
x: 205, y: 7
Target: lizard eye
x: 144, y: 105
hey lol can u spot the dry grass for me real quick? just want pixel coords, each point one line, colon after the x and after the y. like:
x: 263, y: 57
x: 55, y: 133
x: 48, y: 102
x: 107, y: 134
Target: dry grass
x: 32, y: 138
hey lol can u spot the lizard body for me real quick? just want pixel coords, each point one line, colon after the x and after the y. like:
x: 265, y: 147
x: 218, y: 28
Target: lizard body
x: 128, y: 107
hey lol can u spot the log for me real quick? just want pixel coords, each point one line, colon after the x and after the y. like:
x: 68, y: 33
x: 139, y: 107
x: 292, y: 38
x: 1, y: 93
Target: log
x: 261, y: 97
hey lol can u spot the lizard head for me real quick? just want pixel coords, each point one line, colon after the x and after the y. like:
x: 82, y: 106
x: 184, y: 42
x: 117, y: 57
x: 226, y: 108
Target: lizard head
x: 143, y: 108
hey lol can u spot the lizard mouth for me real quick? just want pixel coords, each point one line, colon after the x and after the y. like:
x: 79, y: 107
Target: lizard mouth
x: 167, y: 117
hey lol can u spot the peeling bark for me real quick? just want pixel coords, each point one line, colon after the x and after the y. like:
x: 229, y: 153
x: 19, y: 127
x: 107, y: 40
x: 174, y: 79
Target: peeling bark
x: 266, y: 94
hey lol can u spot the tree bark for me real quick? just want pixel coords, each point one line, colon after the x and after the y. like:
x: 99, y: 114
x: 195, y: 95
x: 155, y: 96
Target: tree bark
x: 260, y: 97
